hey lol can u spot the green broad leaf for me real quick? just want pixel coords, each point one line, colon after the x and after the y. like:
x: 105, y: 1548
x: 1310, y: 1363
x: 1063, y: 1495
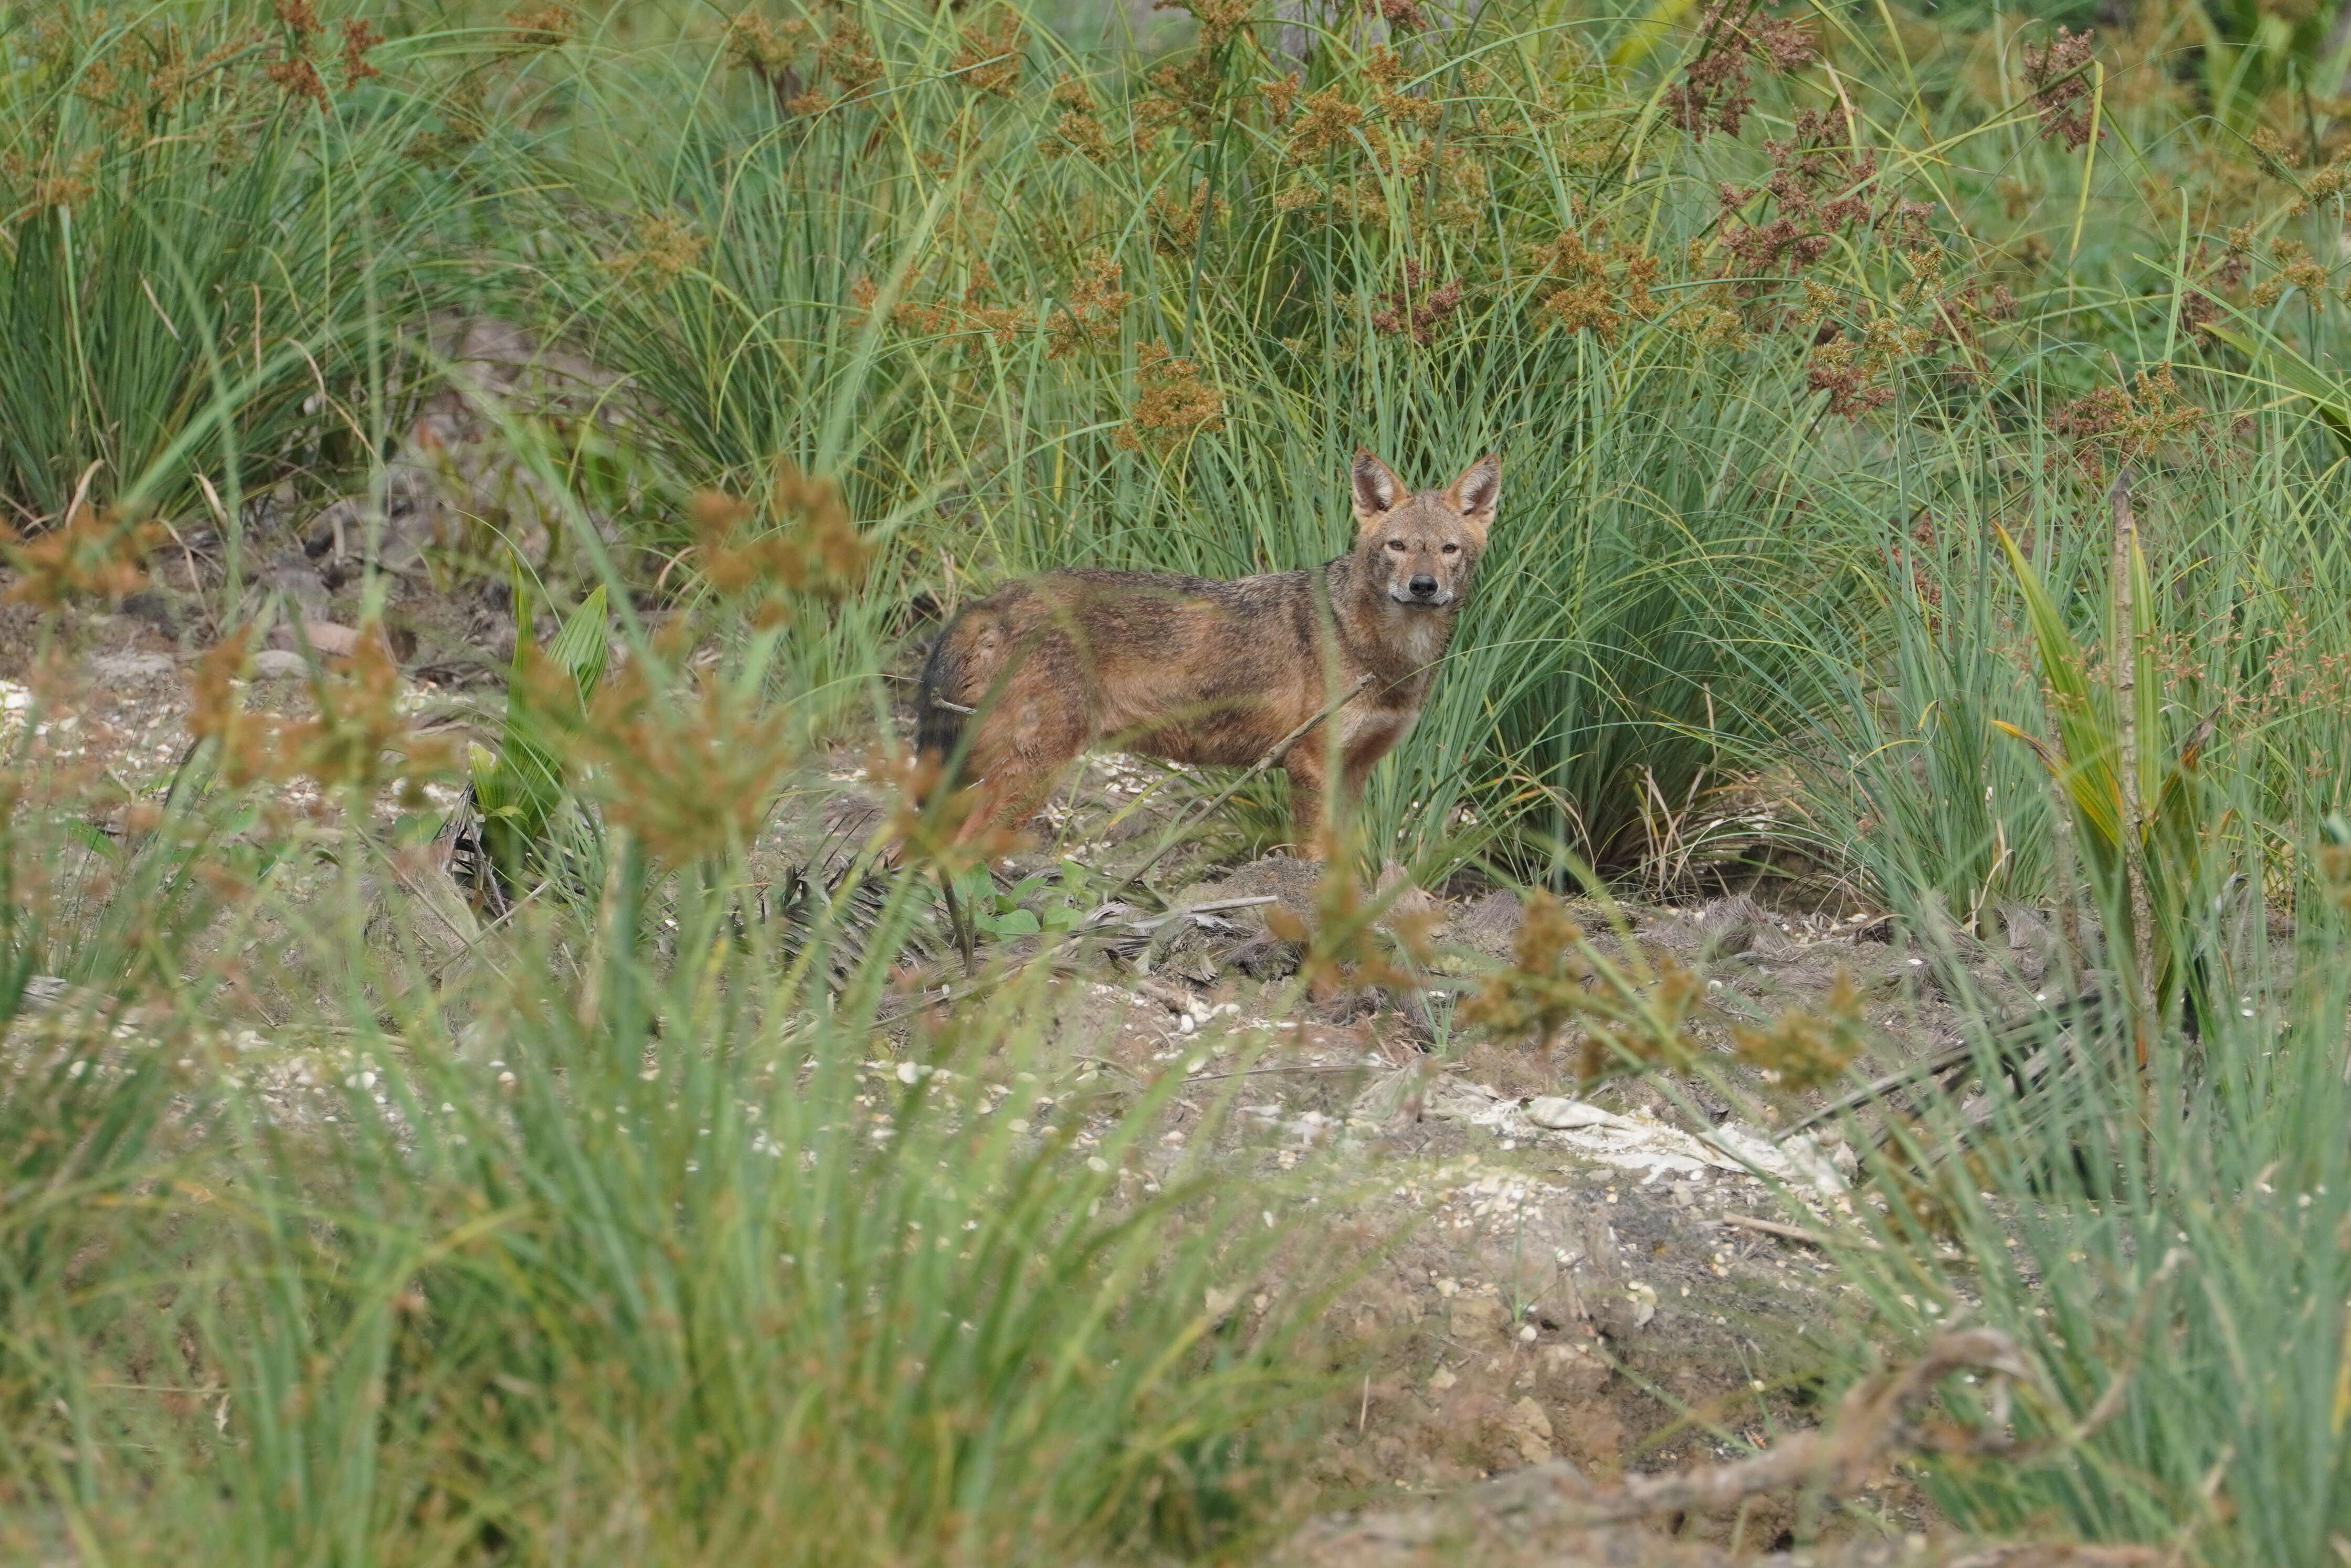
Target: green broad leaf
x: 1017, y: 923
x: 2085, y: 733
x: 492, y: 781
x: 580, y: 648
x: 976, y: 888
x: 519, y: 786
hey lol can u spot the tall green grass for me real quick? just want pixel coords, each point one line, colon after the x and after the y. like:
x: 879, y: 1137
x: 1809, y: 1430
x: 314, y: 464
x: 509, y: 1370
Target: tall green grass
x: 206, y: 275
x: 904, y: 278
x: 2164, y: 1242
x: 2146, y: 1189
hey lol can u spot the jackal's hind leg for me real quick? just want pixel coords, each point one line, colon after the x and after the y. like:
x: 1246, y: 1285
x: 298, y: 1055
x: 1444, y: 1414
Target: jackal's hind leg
x: 1033, y: 722
x: 1304, y: 766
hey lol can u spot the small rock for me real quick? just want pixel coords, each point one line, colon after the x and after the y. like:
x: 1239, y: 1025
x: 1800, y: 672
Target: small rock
x: 293, y: 576
x: 1475, y: 1318
x: 1405, y: 900
x: 278, y: 664
x: 1530, y: 1429
x: 330, y: 638
x: 489, y: 341
x: 132, y: 669
x: 335, y: 531
x: 1561, y: 1114
x: 1644, y: 1302
x: 157, y: 609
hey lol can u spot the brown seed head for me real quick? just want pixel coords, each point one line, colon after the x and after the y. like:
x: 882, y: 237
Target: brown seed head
x: 1173, y: 403
x: 88, y: 556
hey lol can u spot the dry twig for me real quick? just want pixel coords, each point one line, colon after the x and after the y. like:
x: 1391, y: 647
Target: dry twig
x: 1872, y: 1425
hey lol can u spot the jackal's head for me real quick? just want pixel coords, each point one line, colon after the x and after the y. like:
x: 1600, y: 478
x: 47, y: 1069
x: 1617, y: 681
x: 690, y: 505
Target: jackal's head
x: 1424, y: 549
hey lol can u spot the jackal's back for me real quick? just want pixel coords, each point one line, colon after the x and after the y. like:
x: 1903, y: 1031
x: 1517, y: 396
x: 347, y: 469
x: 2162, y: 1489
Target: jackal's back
x: 1189, y: 668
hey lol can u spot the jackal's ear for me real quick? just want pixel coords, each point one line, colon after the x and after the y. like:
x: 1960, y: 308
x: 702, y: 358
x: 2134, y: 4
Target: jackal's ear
x: 1474, y: 494
x: 1377, y: 489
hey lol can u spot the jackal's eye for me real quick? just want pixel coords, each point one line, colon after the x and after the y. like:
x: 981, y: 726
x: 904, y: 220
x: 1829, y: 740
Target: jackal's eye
x: 1452, y: 549
x: 1395, y: 544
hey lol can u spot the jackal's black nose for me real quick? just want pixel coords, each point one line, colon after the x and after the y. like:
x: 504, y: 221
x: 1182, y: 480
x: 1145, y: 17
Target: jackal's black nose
x: 1423, y: 587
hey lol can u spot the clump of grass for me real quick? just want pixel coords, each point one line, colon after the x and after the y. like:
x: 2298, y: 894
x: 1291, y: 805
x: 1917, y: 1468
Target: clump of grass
x: 2141, y: 1229
x: 212, y: 227
x: 645, y: 1228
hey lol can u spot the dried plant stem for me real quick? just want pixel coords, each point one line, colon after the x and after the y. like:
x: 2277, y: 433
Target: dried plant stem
x: 2124, y: 656
x: 1762, y: 1227
x: 1873, y: 1425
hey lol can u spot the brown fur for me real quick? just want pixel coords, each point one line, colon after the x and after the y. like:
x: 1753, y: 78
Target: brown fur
x: 1193, y: 670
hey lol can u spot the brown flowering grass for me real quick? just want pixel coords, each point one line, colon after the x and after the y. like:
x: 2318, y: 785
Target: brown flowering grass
x: 1809, y: 1047
x: 86, y: 556
x: 1559, y: 991
x: 1173, y: 403
x: 666, y: 246
x: 1600, y: 288
x: 987, y: 58
x: 1713, y: 94
x: 764, y: 46
x: 803, y: 545
x: 536, y: 30
x: 359, y: 741
x: 1091, y: 311
x: 2059, y: 74
x: 1414, y: 309
x: 846, y: 52
x: 1218, y: 20
x: 688, y: 764
x: 1080, y: 129
x: 2122, y: 423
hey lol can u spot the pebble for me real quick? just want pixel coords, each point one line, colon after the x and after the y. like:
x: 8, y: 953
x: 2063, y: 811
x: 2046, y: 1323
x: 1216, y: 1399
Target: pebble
x: 278, y: 664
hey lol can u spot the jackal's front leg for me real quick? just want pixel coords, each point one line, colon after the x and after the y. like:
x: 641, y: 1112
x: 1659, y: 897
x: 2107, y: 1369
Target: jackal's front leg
x: 1006, y: 800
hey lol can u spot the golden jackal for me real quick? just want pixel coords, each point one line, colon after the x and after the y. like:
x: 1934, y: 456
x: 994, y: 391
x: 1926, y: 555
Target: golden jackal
x: 1190, y: 670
